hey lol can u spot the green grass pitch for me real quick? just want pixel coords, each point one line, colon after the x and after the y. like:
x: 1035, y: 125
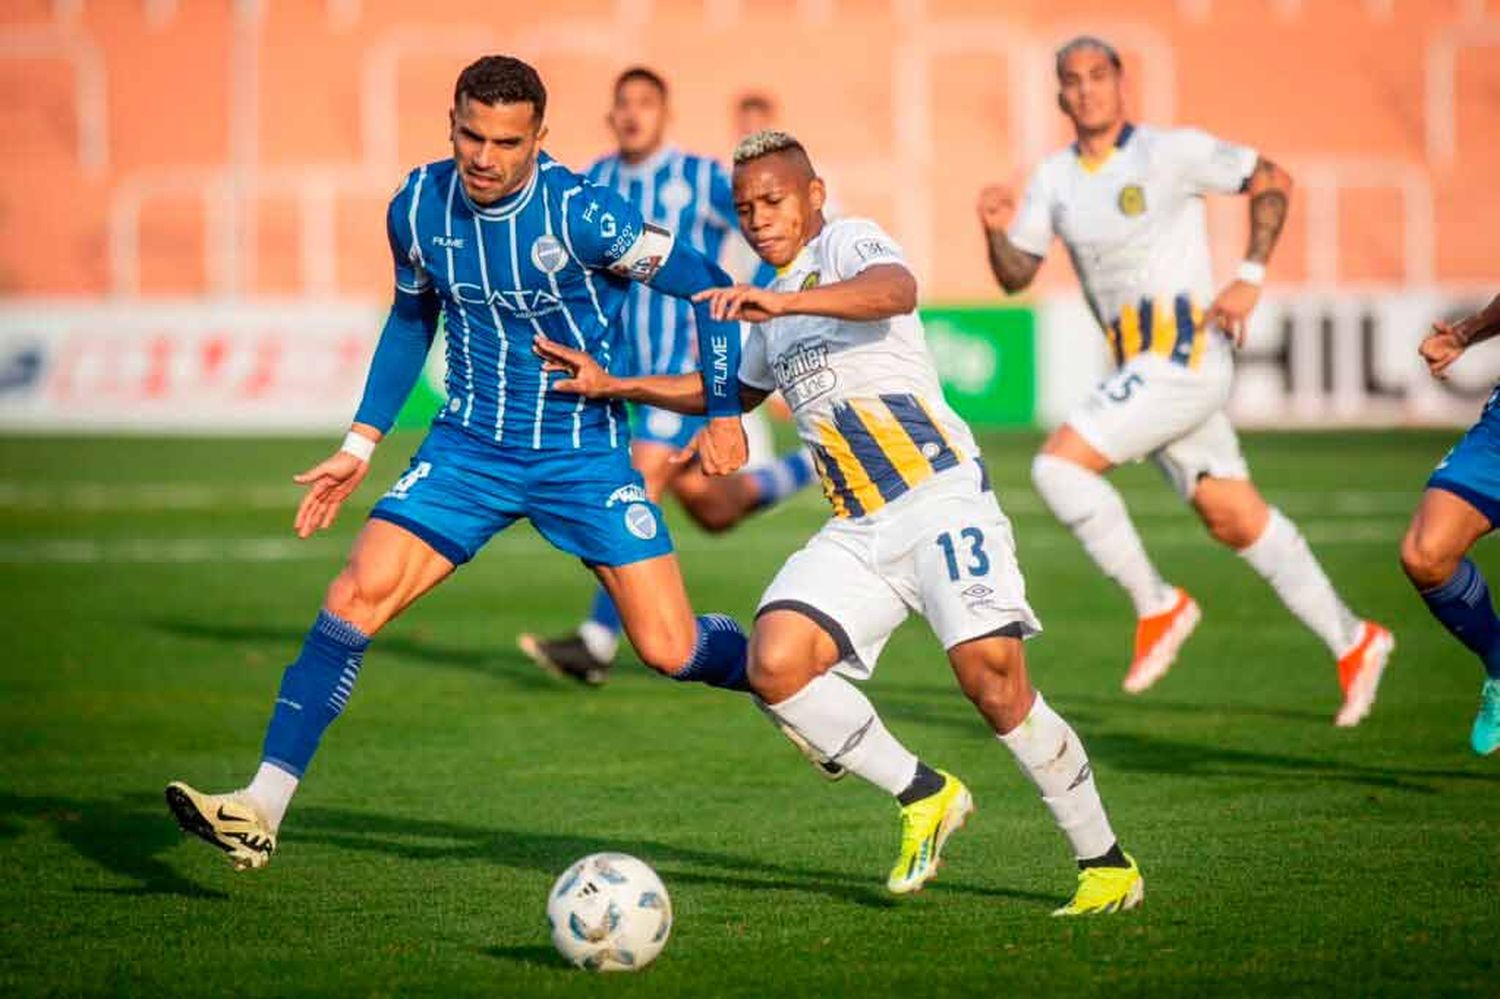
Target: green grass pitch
x: 153, y: 592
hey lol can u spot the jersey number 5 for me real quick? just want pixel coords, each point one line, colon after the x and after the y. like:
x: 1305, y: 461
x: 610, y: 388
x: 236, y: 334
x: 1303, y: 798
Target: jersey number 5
x: 978, y: 561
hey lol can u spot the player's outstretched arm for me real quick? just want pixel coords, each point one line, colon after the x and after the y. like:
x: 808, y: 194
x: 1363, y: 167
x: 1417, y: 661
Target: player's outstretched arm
x: 1447, y: 342
x: 1012, y: 266
x: 399, y: 358
x: 877, y: 292
x: 586, y: 377
x: 1269, y: 188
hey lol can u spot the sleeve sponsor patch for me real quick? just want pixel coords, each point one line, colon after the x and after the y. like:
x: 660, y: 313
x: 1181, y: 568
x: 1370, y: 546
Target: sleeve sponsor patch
x: 643, y: 257
x: 869, y: 248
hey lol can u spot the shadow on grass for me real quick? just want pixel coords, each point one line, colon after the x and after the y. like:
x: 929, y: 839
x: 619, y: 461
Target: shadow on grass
x: 535, y: 956
x: 500, y: 662
x: 1140, y: 753
x: 129, y: 836
x: 548, y: 853
x: 125, y: 837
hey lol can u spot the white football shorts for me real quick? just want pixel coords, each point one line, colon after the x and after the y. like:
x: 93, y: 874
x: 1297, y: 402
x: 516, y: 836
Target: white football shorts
x: 1153, y: 408
x: 944, y: 550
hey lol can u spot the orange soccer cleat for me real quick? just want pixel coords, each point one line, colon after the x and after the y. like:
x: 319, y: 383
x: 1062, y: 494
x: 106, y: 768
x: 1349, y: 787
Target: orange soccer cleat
x: 1157, y: 641
x: 1359, y: 672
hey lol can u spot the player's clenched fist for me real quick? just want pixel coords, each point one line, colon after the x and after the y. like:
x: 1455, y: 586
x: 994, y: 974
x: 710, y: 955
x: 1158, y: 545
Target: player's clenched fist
x: 1440, y: 348
x: 997, y: 206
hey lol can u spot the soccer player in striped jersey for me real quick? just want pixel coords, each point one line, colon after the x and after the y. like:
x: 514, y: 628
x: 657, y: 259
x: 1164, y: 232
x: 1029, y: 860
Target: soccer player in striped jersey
x: 915, y: 526
x: 1461, y: 505
x: 507, y: 244
x: 1127, y: 201
x: 689, y: 195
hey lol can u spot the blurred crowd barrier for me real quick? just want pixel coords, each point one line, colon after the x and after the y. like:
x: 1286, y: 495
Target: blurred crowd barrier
x: 192, y: 199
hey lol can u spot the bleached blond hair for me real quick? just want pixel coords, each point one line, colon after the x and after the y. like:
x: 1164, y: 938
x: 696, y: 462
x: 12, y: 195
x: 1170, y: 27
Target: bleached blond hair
x: 765, y: 143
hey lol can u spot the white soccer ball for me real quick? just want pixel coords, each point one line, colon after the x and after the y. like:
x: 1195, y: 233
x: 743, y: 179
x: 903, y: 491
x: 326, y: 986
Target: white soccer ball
x: 609, y: 912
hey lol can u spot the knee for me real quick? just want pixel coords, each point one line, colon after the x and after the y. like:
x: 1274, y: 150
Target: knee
x: 1427, y: 564
x: 779, y: 669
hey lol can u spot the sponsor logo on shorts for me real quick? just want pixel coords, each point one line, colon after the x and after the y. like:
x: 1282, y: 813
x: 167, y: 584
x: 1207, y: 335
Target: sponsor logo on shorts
x: 803, y: 373
x: 978, y: 591
x: 404, y: 485
x: 548, y: 255
x: 626, y: 494
x: 640, y: 521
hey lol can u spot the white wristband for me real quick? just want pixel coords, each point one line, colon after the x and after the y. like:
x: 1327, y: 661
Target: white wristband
x: 1251, y: 272
x: 358, y: 445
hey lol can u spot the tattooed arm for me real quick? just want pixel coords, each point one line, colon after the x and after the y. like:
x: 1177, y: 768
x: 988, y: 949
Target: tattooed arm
x: 1013, y: 267
x: 1269, y: 188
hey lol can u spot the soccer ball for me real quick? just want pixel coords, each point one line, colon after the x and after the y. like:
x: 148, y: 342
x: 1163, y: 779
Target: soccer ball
x: 609, y: 912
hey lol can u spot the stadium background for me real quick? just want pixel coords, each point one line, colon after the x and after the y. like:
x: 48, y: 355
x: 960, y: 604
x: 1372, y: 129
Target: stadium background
x: 190, y: 247
x: 191, y: 204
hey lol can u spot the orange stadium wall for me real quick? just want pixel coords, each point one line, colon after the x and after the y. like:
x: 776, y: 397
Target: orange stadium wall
x: 239, y: 153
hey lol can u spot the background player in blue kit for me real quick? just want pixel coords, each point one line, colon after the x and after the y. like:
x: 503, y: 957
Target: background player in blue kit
x: 691, y: 196
x: 508, y: 244
x: 1462, y: 505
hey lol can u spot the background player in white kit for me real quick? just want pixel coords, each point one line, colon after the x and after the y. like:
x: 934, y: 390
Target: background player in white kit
x: 915, y: 527
x: 1127, y: 202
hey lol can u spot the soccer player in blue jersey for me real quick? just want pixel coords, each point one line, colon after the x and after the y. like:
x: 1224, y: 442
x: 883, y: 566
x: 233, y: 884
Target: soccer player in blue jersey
x: 691, y: 196
x: 507, y: 244
x: 1460, y: 506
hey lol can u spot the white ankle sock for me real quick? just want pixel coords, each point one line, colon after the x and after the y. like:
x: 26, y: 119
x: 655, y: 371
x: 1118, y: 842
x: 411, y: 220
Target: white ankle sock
x: 1282, y: 557
x: 841, y: 723
x: 271, y: 792
x: 1092, y: 509
x: 1049, y: 752
x: 599, y: 640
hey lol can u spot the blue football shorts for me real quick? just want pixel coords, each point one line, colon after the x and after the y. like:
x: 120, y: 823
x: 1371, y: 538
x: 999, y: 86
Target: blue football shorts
x: 1471, y: 471
x: 460, y: 490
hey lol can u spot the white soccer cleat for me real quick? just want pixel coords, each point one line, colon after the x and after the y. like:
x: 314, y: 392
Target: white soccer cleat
x: 1158, y: 639
x: 1360, y: 670
x: 228, y: 821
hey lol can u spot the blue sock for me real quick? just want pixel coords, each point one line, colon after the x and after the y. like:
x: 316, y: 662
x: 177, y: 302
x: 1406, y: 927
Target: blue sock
x: 1463, y: 606
x: 782, y: 477
x: 719, y: 654
x: 603, y: 612
x: 314, y: 690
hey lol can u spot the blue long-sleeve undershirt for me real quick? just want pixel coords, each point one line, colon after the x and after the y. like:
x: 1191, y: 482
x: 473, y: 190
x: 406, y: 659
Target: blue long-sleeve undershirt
x: 683, y: 274
x: 399, y: 358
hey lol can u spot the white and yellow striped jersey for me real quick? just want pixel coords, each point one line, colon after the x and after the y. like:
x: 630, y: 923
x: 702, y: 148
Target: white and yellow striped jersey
x: 865, y: 395
x: 1135, y: 225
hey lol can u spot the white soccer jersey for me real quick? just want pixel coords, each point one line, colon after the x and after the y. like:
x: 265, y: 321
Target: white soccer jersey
x: 1136, y: 228
x: 865, y: 395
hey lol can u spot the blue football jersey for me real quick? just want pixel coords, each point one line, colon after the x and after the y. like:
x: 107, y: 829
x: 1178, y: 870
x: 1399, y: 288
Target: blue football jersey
x: 691, y: 196
x: 560, y: 258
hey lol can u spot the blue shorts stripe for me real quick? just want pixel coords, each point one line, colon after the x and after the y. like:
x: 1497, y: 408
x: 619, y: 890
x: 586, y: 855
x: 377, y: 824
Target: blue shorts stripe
x: 1182, y: 350
x: 1487, y: 505
x: 446, y: 547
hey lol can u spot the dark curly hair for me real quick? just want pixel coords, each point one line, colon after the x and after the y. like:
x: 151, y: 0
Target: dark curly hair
x: 499, y: 79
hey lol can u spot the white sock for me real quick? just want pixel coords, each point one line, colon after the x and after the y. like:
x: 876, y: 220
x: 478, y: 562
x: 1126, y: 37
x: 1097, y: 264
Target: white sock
x: 1049, y: 752
x: 841, y: 723
x: 1092, y: 509
x: 599, y: 640
x: 1281, y: 555
x: 271, y: 792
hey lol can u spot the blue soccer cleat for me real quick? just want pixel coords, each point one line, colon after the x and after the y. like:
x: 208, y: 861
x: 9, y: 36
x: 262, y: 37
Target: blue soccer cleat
x: 1485, y: 736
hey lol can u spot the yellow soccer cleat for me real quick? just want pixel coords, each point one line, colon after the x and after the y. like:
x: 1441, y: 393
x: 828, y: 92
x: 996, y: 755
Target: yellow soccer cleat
x: 227, y: 821
x: 1103, y: 890
x: 925, y: 826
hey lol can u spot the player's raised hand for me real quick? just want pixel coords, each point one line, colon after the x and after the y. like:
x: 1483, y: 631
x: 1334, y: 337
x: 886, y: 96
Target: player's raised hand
x: 1440, y: 348
x: 720, y: 447
x: 744, y: 302
x: 996, y: 207
x: 328, y: 483
x: 586, y: 377
x: 1230, y: 312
